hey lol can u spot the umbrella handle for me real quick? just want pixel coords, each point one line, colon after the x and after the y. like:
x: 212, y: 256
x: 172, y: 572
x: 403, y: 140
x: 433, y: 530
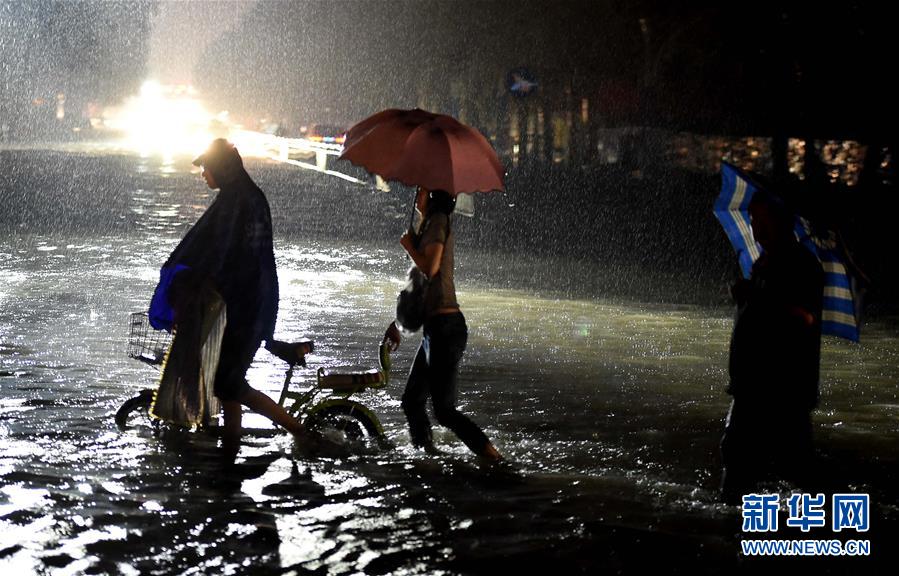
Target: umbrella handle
x: 412, y: 215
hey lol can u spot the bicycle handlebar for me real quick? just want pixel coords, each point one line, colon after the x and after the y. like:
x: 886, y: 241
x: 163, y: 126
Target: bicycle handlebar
x: 291, y: 352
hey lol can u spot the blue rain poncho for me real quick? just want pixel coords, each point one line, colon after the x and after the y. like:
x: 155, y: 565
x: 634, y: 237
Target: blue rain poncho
x: 231, y: 246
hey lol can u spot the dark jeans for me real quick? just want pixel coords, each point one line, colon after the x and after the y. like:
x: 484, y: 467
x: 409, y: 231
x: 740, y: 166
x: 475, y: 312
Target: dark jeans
x: 434, y: 373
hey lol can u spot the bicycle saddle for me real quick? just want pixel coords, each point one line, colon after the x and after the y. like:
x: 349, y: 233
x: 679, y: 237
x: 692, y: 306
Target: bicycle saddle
x: 291, y: 352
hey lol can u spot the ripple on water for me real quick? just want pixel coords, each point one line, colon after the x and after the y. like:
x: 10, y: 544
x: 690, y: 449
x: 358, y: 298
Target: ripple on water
x: 610, y: 410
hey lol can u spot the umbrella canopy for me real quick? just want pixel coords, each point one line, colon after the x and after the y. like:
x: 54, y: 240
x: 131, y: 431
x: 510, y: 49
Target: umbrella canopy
x: 841, y: 315
x: 841, y: 304
x: 420, y: 148
x: 732, y: 210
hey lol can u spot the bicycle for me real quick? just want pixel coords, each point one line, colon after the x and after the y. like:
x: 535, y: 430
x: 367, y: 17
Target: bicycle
x: 325, y: 406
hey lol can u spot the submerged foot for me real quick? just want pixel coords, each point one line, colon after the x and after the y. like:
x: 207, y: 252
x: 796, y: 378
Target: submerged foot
x: 300, y: 433
x: 490, y: 453
x: 428, y: 448
x: 306, y: 440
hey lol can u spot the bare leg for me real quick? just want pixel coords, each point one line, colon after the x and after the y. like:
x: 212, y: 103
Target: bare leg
x: 262, y: 404
x: 231, y: 435
x: 491, y: 453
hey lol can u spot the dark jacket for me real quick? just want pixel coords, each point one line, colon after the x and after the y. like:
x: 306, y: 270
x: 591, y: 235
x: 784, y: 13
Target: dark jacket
x: 774, y: 355
x: 231, y: 245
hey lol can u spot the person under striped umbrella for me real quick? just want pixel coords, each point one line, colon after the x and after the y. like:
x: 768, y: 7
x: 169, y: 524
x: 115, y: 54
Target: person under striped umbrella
x: 795, y: 287
x: 841, y: 314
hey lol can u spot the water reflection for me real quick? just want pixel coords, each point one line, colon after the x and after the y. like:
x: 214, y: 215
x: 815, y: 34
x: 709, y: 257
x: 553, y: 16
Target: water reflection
x: 610, y: 410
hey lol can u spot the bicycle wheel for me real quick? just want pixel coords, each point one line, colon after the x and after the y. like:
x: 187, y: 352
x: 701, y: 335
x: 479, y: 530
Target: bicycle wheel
x: 140, y: 404
x: 347, y: 421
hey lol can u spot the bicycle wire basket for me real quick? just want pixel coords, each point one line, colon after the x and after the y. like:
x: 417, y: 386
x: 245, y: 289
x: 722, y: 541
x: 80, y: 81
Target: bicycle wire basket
x: 145, y: 343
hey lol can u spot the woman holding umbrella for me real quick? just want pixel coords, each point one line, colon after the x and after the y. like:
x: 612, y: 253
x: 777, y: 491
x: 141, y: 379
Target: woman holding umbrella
x: 436, y: 365
x: 442, y: 158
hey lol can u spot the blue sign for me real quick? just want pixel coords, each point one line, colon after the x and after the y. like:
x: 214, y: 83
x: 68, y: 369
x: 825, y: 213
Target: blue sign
x: 521, y: 82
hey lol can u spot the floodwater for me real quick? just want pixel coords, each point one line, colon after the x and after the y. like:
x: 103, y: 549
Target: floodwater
x: 609, y: 410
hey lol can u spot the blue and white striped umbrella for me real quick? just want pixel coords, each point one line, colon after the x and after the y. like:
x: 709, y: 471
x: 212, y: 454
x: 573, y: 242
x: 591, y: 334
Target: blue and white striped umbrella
x: 732, y: 210
x: 840, y: 313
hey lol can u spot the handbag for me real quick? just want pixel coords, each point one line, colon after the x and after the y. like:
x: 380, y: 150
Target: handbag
x: 410, y: 302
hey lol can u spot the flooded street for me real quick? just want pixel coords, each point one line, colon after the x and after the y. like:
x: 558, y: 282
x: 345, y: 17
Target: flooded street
x: 609, y: 409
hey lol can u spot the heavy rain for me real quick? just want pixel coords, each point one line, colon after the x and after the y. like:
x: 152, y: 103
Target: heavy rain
x: 597, y: 286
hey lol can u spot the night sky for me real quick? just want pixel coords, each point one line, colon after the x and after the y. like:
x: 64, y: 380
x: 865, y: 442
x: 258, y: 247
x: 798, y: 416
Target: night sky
x: 710, y: 67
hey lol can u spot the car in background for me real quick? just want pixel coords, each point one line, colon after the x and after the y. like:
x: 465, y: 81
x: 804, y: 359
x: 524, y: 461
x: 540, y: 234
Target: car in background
x: 325, y: 133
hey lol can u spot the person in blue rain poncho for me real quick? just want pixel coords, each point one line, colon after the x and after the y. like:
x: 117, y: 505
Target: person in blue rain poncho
x: 229, y: 250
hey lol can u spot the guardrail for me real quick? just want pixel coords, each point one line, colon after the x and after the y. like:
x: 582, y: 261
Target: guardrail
x: 298, y: 152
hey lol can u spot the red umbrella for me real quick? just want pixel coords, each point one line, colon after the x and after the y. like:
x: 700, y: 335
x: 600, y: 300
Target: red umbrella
x: 419, y: 148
